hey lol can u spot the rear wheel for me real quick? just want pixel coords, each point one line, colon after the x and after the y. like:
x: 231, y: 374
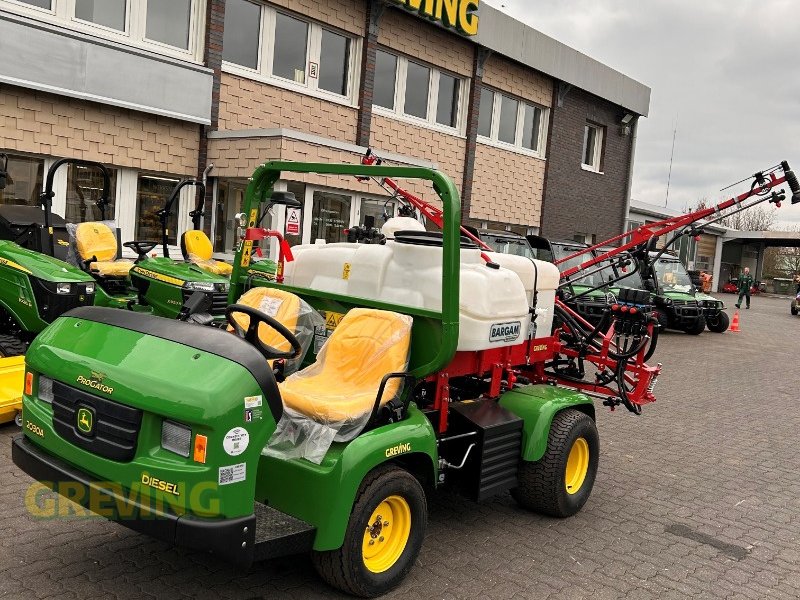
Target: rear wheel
x: 11, y: 345
x: 383, y: 538
x: 559, y: 483
x: 793, y: 309
x: 718, y: 323
x: 697, y: 327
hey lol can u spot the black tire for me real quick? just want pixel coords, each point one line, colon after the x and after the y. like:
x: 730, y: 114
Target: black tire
x: 698, y: 327
x: 18, y: 419
x: 543, y: 484
x: 345, y: 568
x: 719, y: 323
x: 663, y: 319
x: 793, y: 309
x: 11, y: 345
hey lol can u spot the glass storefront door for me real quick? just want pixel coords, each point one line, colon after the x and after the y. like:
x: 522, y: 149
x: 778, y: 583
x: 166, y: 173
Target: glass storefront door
x: 374, y: 213
x: 151, y: 196
x: 330, y: 216
x: 230, y: 199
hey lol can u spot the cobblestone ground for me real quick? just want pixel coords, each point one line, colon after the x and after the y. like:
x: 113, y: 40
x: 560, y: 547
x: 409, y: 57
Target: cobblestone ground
x: 696, y: 498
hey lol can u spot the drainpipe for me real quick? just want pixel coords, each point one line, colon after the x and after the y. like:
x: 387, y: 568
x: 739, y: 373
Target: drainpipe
x: 629, y: 184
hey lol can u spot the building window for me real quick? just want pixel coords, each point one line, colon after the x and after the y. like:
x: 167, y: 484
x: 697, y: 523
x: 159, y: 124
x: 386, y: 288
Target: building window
x: 242, y: 33
x: 385, y: 80
x: 108, y: 13
x: 406, y: 87
x: 634, y: 225
x: 24, y: 181
x: 168, y: 22
x: 508, y: 121
x: 592, y: 147
x: 286, y: 50
x: 84, y: 189
x: 171, y: 27
x: 152, y: 193
x: 330, y: 216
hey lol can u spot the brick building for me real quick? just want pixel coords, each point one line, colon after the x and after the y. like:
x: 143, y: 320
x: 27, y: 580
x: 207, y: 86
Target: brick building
x: 159, y: 90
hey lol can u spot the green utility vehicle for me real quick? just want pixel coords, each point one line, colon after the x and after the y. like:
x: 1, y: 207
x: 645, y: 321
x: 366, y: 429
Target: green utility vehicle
x: 167, y: 427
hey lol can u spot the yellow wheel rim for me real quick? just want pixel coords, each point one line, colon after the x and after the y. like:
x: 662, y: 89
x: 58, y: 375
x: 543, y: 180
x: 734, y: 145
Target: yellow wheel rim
x: 577, y: 466
x: 386, y: 534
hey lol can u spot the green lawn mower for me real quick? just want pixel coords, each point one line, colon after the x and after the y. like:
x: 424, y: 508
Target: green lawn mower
x: 435, y: 368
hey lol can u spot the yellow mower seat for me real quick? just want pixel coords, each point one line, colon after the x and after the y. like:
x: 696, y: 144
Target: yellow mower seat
x: 98, y: 241
x: 197, y: 248
x: 343, y: 383
x: 282, y: 306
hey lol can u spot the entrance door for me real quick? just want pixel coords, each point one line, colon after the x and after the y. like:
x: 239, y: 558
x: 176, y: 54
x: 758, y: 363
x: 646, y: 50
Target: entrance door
x: 374, y: 213
x: 229, y: 202
x: 330, y: 216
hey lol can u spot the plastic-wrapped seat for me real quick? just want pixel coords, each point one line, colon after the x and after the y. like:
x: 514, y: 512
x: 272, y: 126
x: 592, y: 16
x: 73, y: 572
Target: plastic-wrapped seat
x: 333, y: 399
x: 96, y: 244
x: 197, y: 248
x: 290, y: 311
x: 342, y: 385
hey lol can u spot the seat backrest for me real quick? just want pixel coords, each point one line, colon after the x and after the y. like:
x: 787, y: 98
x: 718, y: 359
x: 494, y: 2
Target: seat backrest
x: 367, y: 345
x: 280, y: 305
x: 96, y: 239
x: 195, y: 243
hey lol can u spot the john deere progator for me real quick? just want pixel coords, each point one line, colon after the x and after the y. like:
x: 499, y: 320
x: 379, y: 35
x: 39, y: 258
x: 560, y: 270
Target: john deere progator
x: 439, y: 366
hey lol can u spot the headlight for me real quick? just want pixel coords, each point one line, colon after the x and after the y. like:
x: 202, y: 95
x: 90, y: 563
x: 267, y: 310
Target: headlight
x: 176, y: 438
x: 223, y: 287
x: 45, y: 389
x: 199, y: 286
x: 90, y: 288
x: 63, y: 288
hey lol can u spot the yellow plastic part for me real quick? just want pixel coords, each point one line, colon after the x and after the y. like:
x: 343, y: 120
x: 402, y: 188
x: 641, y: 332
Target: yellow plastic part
x: 342, y: 385
x: 196, y: 242
x: 112, y: 268
x: 282, y: 306
x: 577, y: 466
x: 198, y: 249
x: 96, y: 239
x: 12, y: 380
x: 386, y: 535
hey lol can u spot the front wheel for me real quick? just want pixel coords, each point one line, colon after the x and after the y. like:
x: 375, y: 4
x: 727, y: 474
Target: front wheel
x: 793, y: 309
x: 559, y: 483
x: 719, y: 323
x: 697, y: 327
x: 383, y: 538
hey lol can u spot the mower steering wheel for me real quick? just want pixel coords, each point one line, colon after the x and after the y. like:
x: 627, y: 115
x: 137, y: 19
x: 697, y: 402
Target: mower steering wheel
x: 251, y: 335
x: 141, y: 248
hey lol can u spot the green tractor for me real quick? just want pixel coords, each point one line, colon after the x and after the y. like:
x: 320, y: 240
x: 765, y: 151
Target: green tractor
x: 432, y: 371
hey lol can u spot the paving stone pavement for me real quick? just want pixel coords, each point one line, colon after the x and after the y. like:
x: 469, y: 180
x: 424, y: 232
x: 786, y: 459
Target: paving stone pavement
x: 699, y: 497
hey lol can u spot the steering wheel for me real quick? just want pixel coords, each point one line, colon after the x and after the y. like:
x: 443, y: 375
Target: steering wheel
x: 251, y: 335
x: 141, y: 248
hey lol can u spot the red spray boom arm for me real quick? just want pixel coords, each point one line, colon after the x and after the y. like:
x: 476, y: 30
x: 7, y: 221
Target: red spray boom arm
x: 763, y: 183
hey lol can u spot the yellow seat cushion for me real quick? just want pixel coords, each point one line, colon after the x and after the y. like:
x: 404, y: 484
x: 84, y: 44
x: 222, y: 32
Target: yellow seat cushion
x: 196, y: 243
x: 111, y: 268
x: 96, y: 240
x: 343, y: 382
x: 282, y: 306
x: 197, y: 248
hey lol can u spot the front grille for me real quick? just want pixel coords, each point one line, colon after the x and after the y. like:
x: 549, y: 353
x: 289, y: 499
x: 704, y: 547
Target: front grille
x: 52, y: 305
x: 115, y: 427
x: 219, y: 301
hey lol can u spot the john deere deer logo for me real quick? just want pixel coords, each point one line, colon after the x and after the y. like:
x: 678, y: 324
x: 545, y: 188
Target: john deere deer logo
x: 85, y: 420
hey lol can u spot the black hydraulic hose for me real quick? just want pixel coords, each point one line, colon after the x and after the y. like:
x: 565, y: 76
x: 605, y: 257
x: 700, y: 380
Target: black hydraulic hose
x: 653, y: 344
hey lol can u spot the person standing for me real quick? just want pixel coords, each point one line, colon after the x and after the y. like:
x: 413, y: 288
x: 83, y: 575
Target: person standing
x: 745, y: 283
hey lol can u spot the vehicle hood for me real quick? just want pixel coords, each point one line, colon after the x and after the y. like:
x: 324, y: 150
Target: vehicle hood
x: 39, y: 265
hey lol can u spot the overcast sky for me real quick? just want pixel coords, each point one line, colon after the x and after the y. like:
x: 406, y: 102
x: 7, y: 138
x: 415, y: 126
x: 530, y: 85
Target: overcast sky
x: 727, y: 70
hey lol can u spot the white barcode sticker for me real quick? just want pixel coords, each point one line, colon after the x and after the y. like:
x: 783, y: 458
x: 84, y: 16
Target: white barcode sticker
x: 232, y: 474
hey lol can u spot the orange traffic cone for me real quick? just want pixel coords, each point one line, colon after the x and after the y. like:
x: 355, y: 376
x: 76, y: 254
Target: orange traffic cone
x: 735, y: 323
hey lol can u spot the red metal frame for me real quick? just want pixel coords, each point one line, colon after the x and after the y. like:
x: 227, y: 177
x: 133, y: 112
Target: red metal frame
x: 256, y: 234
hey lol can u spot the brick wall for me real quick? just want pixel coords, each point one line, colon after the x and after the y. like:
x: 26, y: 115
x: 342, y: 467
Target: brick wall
x: 416, y: 38
x: 41, y: 123
x: 348, y: 15
x: 579, y: 201
x: 248, y: 104
x: 508, y: 76
x: 507, y: 187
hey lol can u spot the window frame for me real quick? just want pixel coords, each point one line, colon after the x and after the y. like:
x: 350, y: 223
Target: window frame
x: 135, y: 34
x: 266, y: 54
x: 597, y: 164
x: 400, y: 83
x: 522, y: 103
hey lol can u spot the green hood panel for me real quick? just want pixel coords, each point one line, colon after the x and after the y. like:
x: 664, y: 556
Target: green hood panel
x: 678, y: 295
x: 166, y: 380
x: 39, y: 265
x: 184, y: 271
